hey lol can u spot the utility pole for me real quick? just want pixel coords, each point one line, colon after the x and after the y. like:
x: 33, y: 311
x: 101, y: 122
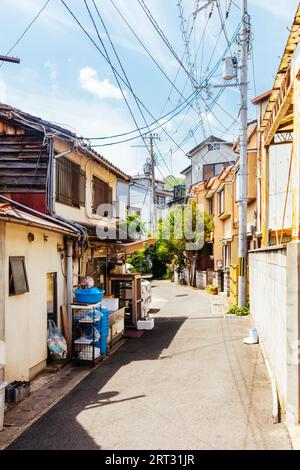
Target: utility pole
x: 243, y: 170
x: 152, y: 137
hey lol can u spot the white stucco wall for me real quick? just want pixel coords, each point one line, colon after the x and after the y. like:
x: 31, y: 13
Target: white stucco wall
x: 26, y: 314
x: 141, y: 198
x: 268, y: 302
x: 188, y: 179
x: 91, y: 168
x: 205, y: 157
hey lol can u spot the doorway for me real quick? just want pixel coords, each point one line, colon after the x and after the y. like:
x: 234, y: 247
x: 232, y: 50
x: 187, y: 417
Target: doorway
x: 52, y: 297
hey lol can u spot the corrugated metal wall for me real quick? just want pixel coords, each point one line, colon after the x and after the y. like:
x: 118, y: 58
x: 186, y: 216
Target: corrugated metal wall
x: 279, y: 160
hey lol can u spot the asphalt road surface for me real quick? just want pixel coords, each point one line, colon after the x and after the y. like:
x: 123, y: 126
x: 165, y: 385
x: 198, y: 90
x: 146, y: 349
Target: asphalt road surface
x: 190, y: 383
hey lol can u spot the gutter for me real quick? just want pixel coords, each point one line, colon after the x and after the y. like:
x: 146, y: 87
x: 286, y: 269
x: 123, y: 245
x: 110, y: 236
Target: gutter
x: 33, y: 224
x: 275, y: 406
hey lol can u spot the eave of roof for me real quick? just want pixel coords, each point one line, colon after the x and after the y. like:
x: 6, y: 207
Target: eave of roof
x: 210, y: 139
x: 12, y: 214
x: 186, y: 170
x: 291, y: 44
x: 261, y: 97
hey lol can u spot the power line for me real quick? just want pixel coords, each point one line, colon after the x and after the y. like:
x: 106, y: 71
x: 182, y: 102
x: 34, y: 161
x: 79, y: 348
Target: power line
x: 180, y: 108
x: 125, y: 75
x: 121, y: 78
x: 147, y: 51
x: 25, y: 31
x: 163, y: 37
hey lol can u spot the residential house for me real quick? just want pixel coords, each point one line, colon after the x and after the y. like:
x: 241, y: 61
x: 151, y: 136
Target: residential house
x: 140, y: 197
x: 219, y: 197
x: 33, y: 286
x: 207, y: 160
x: 274, y: 268
x: 50, y: 170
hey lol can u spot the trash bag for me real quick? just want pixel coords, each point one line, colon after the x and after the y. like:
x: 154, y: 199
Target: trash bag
x: 57, y: 344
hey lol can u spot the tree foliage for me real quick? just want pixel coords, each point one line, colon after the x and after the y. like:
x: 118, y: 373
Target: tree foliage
x: 170, y: 250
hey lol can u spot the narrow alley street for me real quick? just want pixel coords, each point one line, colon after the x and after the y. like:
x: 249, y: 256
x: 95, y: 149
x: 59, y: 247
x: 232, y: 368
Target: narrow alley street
x: 190, y: 383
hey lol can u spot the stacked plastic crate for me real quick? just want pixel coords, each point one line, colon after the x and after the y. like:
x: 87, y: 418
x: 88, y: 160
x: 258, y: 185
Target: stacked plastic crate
x: 104, y: 326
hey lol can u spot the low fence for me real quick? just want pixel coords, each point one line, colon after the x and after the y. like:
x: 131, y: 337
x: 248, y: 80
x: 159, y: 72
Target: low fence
x: 274, y: 300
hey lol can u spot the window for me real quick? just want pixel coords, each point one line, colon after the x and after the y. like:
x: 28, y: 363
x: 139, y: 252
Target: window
x: 160, y: 200
x: 221, y: 202
x: 214, y: 169
x: 102, y: 193
x: 208, y: 172
x: 82, y: 184
x: 213, y: 147
x: 52, y: 296
x: 226, y: 255
x: 69, y: 180
x: 211, y: 206
x: 18, y: 283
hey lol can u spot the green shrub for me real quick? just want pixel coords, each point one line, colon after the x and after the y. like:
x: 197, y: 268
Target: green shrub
x: 211, y: 288
x: 239, y: 311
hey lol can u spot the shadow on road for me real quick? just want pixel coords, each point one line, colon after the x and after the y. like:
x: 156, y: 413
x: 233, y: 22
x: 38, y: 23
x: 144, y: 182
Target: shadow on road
x: 60, y: 429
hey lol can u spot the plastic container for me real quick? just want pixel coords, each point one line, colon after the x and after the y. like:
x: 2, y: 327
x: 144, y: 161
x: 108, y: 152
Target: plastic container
x: 17, y: 391
x: 111, y: 304
x: 89, y: 296
x: 2, y: 401
x: 145, y: 324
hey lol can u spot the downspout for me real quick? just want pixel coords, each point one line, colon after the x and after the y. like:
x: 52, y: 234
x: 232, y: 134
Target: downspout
x: 69, y: 245
x: 51, y: 189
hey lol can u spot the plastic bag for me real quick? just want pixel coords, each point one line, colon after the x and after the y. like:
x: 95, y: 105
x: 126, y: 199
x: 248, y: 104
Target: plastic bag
x: 57, y: 344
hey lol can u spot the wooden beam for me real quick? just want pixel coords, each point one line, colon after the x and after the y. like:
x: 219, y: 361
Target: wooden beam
x: 280, y: 115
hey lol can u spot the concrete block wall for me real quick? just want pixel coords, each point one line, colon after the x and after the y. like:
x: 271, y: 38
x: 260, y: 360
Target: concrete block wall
x: 227, y: 282
x: 274, y: 277
x: 201, y: 279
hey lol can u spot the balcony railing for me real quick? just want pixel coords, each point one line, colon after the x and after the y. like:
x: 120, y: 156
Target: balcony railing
x: 283, y: 93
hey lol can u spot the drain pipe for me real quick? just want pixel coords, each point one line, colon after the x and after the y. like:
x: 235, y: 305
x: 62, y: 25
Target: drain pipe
x: 275, y: 407
x: 69, y: 245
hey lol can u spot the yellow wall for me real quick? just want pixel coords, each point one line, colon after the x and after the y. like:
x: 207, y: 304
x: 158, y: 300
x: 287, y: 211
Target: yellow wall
x: 92, y: 168
x: 26, y: 314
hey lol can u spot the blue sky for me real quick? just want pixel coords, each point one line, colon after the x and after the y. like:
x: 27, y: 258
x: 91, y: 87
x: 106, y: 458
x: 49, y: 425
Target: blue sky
x: 63, y: 78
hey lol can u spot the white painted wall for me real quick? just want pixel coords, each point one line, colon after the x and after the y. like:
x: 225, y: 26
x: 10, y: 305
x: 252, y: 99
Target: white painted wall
x: 188, y: 179
x: 268, y: 302
x: 26, y: 314
x: 279, y: 160
x: 205, y: 157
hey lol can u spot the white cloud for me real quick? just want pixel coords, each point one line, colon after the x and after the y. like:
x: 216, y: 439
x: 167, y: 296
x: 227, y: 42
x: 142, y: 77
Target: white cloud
x: 51, y: 66
x: 89, y: 81
x: 2, y: 91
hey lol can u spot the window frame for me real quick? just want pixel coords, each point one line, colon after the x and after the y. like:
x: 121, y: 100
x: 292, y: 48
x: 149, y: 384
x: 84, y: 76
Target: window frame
x: 108, y: 199
x: 11, y: 285
x: 211, y: 205
x: 221, y: 202
x: 70, y: 173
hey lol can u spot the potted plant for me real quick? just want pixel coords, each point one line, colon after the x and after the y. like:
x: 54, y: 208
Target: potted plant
x: 212, y: 289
